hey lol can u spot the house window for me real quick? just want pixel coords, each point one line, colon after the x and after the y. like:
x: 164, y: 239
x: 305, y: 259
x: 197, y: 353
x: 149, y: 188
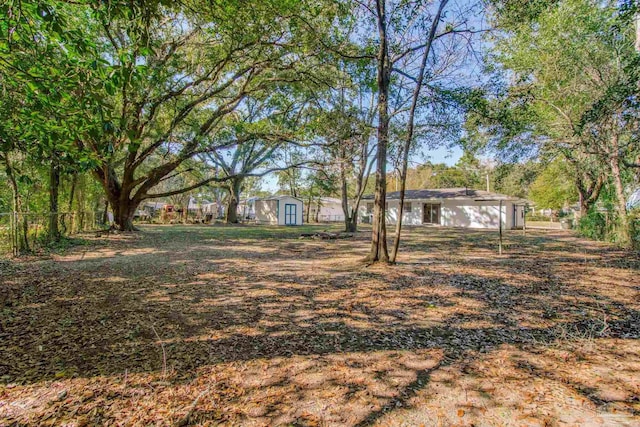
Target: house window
x: 431, y: 213
x: 407, y: 206
x: 369, y: 208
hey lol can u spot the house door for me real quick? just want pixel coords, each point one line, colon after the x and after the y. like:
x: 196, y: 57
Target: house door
x: 290, y: 214
x: 431, y: 213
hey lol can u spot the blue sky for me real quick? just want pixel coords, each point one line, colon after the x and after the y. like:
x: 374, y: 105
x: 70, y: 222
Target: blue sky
x: 468, y: 72
x: 438, y: 155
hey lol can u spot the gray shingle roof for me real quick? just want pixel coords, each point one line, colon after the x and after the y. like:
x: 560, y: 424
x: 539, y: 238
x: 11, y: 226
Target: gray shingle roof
x: 280, y: 197
x: 446, y: 193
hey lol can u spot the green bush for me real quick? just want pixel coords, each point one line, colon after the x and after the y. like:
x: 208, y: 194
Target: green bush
x: 593, y: 225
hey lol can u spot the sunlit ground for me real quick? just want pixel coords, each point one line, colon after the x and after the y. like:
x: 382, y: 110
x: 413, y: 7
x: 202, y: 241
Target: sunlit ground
x: 204, y: 325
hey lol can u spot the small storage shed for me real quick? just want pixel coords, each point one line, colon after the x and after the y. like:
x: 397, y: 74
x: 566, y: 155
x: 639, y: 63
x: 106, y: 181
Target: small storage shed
x: 279, y: 210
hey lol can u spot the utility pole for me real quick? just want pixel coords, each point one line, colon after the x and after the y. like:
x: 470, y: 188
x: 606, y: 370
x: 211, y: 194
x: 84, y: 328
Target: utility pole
x: 488, y: 189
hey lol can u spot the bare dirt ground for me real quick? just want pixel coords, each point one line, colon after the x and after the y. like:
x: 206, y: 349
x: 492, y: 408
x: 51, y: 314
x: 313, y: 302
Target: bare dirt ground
x: 253, y: 326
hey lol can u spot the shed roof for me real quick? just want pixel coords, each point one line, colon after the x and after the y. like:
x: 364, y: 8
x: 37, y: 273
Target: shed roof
x: 448, y: 193
x: 281, y: 197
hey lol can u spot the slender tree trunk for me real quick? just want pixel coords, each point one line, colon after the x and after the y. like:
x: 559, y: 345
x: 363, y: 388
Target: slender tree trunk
x: 72, y: 192
x: 403, y: 186
x: 21, y: 227
x: 105, y: 213
x: 350, y: 226
x: 54, y: 191
x: 379, y: 252
x: 410, y: 128
x: 624, y: 232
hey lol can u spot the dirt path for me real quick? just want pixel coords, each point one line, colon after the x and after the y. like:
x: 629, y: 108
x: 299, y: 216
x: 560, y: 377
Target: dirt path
x: 254, y: 326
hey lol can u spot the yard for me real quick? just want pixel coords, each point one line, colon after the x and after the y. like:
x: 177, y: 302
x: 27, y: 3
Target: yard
x: 246, y: 325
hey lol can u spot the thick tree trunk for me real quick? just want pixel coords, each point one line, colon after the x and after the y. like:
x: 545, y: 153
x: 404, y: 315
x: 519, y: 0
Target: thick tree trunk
x: 584, y: 206
x: 234, y: 200
x: 232, y: 211
x: 588, y: 188
x: 54, y: 191
x: 379, y: 252
x: 351, y: 225
x: 123, y: 214
x: 123, y: 208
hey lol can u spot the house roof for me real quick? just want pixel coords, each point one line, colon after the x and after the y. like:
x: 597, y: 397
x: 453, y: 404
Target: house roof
x: 330, y: 200
x: 448, y: 193
x: 194, y: 204
x: 155, y: 205
x: 281, y: 197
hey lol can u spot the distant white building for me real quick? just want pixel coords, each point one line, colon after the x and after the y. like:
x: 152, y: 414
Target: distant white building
x: 213, y: 210
x: 326, y: 209
x: 452, y: 207
x: 279, y: 210
x: 247, y: 208
x: 195, y: 205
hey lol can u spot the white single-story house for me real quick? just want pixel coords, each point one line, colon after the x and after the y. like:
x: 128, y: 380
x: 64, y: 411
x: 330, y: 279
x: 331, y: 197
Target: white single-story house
x: 452, y: 207
x: 195, y: 205
x: 247, y: 208
x: 213, y: 210
x: 326, y: 209
x: 279, y: 210
x: 152, y: 208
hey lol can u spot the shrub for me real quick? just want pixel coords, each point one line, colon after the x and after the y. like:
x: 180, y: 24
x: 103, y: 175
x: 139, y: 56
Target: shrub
x: 593, y: 225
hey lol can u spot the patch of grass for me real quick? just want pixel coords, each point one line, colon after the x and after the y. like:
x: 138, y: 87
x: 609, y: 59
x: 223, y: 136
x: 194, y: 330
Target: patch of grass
x: 235, y: 231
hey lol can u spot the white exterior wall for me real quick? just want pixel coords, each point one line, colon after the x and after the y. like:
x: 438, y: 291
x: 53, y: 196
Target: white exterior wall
x: 519, y: 217
x: 472, y: 214
x: 266, y: 211
x: 246, y: 209
x: 408, y: 218
x: 457, y: 213
x: 329, y: 211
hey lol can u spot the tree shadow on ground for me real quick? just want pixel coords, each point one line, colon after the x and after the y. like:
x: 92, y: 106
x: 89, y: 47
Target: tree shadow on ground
x: 307, y: 324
